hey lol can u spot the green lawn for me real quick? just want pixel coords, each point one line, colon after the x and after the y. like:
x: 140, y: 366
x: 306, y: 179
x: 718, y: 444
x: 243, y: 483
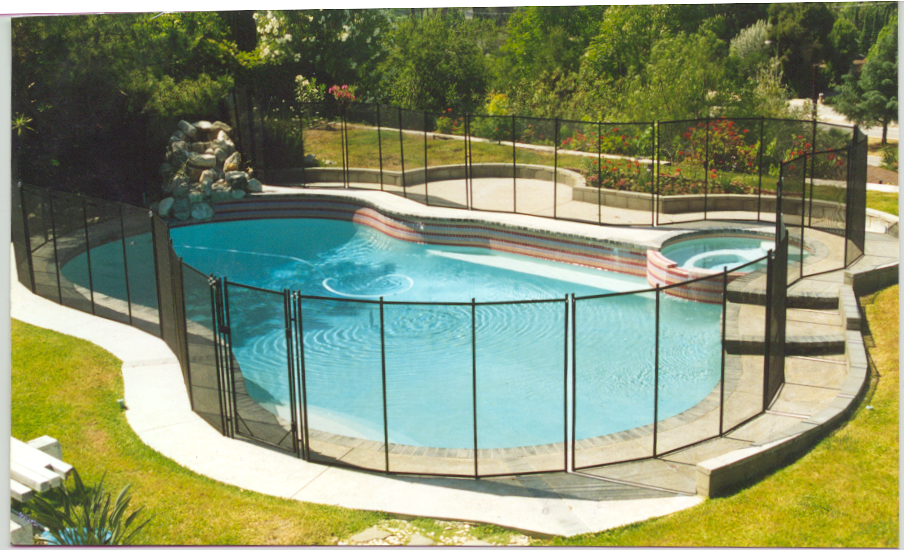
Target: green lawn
x: 67, y: 388
x: 843, y: 493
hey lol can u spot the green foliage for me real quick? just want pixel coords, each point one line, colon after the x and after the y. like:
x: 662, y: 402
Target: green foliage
x: 188, y: 97
x: 872, y: 97
x: 334, y: 46
x: 844, y: 40
x: 82, y: 515
x: 749, y: 47
x: 545, y: 39
x: 802, y: 31
x: 435, y: 64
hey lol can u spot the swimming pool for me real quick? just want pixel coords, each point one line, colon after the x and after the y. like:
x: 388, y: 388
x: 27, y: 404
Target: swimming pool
x: 724, y: 251
x: 343, y: 268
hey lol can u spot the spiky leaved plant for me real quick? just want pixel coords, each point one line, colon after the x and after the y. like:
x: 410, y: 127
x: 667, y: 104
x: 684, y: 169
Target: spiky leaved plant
x: 82, y: 515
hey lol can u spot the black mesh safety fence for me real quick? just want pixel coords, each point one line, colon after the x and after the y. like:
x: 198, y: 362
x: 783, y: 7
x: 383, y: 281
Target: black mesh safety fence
x: 281, y: 132
x: 734, y: 176
x: 342, y: 388
x: 524, y: 347
x: 689, y: 369
x: 683, y: 169
x: 42, y: 245
x: 106, y: 252
x: 429, y: 405
x: 259, y: 370
x: 165, y: 285
x: 363, y: 145
x: 614, y: 378
x: 856, y: 199
x: 20, y: 238
x: 141, y: 268
x: 447, y: 183
x: 776, y: 315
x: 204, y: 388
x: 323, y: 141
x: 492, y: 165
x: 413, y: 138
x: 578, y: 152
x: 792, y: 204
x: 73, y: 257
x: 389, y: 149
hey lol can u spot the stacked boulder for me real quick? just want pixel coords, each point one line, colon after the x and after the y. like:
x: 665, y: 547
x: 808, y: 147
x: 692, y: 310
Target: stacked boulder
x: 202, y: 167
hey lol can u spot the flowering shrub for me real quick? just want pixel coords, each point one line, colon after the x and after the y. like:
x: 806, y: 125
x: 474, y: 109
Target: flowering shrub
x: 308, y: 91
x: 728, y: 148
x: 343, y: 94
x: 618, y: 174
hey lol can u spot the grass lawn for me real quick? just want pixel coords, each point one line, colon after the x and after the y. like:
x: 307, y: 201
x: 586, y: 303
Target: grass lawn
x: 67, y: 388
x: 843, y: 493
x: 884, y: 202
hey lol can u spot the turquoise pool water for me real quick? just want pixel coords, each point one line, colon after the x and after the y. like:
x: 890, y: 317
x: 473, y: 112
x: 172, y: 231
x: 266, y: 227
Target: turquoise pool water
x: 519, y: 349
x: 717, y: 253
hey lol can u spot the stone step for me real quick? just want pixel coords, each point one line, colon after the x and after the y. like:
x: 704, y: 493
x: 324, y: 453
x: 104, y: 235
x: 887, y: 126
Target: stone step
x: 814, y: 293
x: 808, y: 332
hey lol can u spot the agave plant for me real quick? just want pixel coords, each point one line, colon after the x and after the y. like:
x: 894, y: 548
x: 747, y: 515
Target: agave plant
x: 82, y: 515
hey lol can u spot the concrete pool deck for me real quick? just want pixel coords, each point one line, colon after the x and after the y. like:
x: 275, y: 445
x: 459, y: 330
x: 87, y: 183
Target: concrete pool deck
x: 551, y: 504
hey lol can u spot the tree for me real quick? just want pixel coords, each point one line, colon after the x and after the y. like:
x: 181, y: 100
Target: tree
x: 749, y: 48
x: 802, y: 32
x: 544, y: 40
x: 872, y: 97
x: 844, y: 39
x: 436, y: 63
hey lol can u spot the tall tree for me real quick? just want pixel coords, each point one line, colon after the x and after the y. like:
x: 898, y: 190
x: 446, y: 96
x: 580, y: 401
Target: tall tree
x: 802, y: 32
x: 436, y: 63
x: 872, y: 98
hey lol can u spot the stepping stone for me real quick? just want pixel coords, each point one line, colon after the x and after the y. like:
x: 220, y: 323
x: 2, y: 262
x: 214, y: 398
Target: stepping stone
x: 369, y: 534
x: 418, y: 539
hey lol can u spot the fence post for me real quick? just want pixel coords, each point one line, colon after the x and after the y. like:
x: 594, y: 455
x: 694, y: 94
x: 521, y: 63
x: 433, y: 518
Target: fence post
x: 722, y: 347
x: 654, y: 155
x: 380, y: 146
x: 290, y: 366
x: 426, y: 193
x: 767, y: 352
x: 469, y: 183
x: 303, y: 107
x: 56, y: 261
x: 474, y: 379
x: 88, y: 252
x: 759, y: 192
x: 299, y: 338
x: 154, y: 238
x: 383, y: 363
x: 599, y: 174
x: 574, y: 378
x: 402, y: 153
x: 706, y: 177
x: 27, y: 238
x: 565, y: 390
x: 514, y: 169
x: 656, y: 377
x: 555, y: 169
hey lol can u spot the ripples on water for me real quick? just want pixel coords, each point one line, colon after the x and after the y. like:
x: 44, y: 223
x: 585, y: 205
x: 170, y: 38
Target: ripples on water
x: 519, y: 348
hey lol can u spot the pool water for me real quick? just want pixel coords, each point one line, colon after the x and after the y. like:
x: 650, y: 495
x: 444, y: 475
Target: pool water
x: 517, y: 363
x: 717, y: 253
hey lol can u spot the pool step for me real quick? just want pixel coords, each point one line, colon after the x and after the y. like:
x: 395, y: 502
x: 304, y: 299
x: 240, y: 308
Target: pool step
x: 815, y: 293
x: 809, y: 332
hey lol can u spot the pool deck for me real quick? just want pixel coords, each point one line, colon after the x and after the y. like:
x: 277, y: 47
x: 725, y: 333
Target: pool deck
x: 543, y: 504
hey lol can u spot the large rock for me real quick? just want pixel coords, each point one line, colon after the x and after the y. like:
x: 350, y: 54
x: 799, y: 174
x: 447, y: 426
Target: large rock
x: 208, y: 176
x: 202, y: 161
x: 177, y: 146
x: 220, y: 191
x: 182, y: 209
x: 165, y: 207
x: 233, y: 162
x: 187, y: 129
x: 221, y: 126
x: 202, y: 211
x: 254, y: 186
x: 237, y: 179
x: 175, y: 183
